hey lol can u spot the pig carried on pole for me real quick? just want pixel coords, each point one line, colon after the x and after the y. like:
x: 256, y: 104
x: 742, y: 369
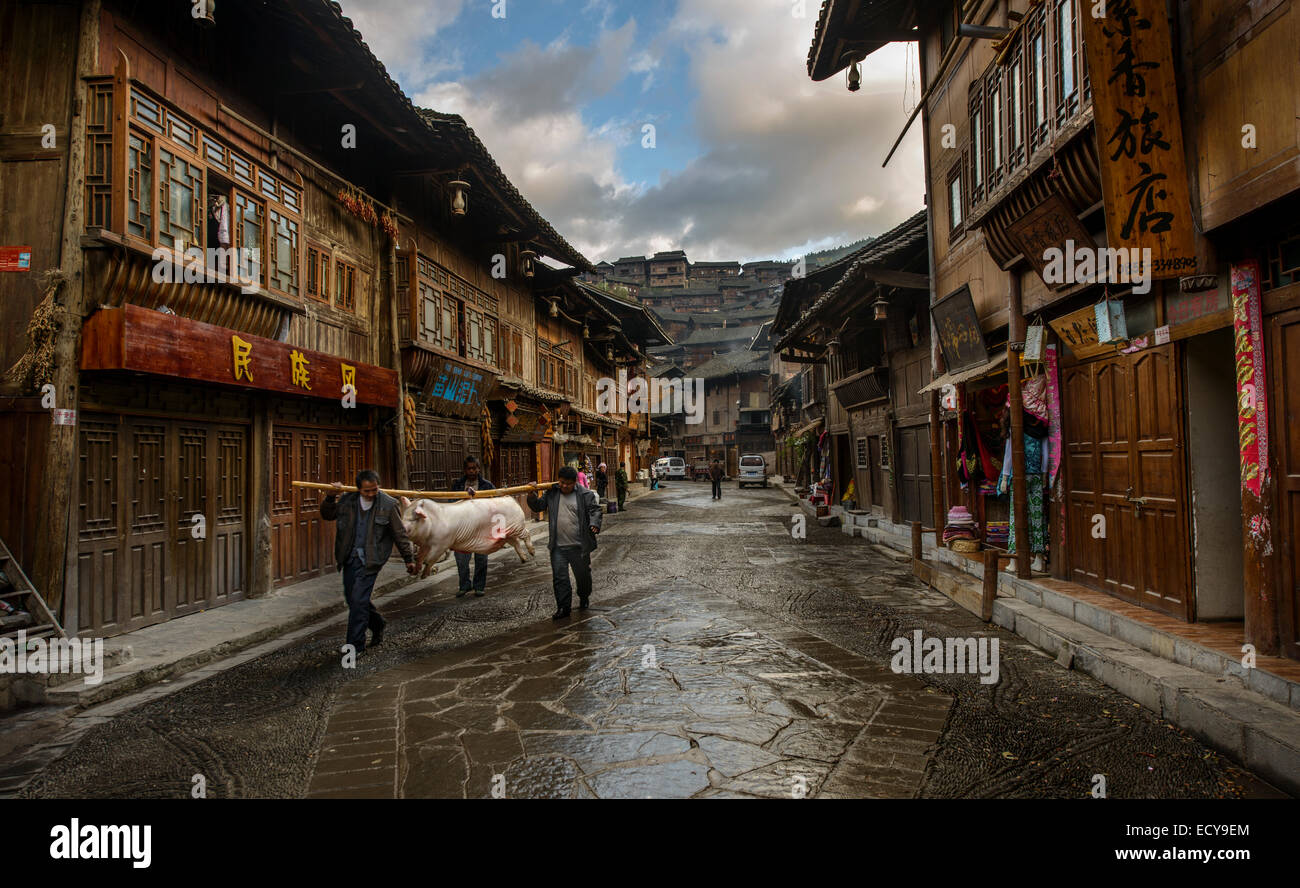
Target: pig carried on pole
x: 477, y: 524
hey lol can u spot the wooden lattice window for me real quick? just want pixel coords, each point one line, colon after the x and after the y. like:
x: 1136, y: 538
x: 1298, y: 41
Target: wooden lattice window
x: 139, y: 186
x: 249, y: 224
x: 1065, y: 44
x: 344, y: 286
x: 1038, y: 68
x: 864, y: 461
x: 318, y: 273
x: 429, y: 326
x: 180, y: 196
x: 282, y: 266
x: 975, y: 187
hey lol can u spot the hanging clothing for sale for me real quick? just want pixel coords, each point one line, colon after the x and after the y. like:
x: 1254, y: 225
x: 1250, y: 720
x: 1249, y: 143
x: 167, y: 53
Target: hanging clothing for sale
x: 1036, y: 467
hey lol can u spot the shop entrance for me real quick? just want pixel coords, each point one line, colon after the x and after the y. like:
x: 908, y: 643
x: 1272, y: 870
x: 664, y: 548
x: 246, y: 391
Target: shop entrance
x: 142, y: 481
x: 1125, y: 476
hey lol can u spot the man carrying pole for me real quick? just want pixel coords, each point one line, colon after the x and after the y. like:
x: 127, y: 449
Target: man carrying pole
x: 574, y: 515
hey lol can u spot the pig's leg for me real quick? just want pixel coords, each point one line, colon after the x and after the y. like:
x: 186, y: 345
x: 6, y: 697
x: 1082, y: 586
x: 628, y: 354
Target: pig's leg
x: 519, y: 549
x: 421, y: 552
x: 432, y: 564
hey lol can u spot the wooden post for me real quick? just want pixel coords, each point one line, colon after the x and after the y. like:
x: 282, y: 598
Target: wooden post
x: 395, y: 355
x: 1020, y: 491
x: 990, y: 584
x: 916, y: 541
x: 53, y: 510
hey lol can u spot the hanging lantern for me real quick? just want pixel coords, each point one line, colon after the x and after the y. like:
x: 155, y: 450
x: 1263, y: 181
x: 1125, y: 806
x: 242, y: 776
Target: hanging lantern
x: 202, y: 11
x: 855, y: 77
x: 1111, y: 324
x: 586, y: 331
x: 555, y: 309
x: 881, y: 309
x: 609, y: 353
x: 459, y: 196
x: 526, y: 257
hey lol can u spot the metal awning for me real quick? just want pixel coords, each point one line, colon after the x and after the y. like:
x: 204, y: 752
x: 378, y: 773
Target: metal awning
x: 993, y: 365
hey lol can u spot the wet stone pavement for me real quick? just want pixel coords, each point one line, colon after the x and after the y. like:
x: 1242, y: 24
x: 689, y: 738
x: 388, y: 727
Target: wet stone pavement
x: 673, y: 694
x: 721, y: 658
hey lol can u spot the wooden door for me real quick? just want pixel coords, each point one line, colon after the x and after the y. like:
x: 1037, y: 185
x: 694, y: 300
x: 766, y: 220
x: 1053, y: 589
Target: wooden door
x: 147, y: 565
x: 1285, y: 421
x: 191, y: 556
x: 283, y: 538
x: 1126, y: 496
x: 913, y: 466
x: 100, y: 517
x: 227, y: 531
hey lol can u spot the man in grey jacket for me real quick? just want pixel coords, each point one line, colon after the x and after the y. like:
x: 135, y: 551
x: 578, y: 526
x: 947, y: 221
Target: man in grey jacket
x: 369, y: 523
x: 574, y: 514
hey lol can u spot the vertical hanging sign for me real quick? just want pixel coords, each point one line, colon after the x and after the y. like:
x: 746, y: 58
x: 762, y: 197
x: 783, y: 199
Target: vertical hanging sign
x: 1252, y: 400
x: 1139, y: 134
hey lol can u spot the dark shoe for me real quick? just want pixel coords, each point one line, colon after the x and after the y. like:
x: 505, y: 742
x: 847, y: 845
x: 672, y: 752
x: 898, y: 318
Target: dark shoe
x: 377, y: 635
x: 478, y: 593
x: 582, y: 603
x: 560, y: 614
x: 462, y: 593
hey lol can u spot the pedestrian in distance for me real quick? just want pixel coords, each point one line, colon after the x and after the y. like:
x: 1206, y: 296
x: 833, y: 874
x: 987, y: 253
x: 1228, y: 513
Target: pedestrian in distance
x: 620, y: 485
x: 582, y: 478
x: 654, y: 477
x: 472, y: 481
x: 369, y: 524
x: 602, y: 481
x: 715, y: 475
x: 574, y: 516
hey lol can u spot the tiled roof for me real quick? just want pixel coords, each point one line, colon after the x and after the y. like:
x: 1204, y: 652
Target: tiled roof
x: 892, y: 247
x: 742, y: 361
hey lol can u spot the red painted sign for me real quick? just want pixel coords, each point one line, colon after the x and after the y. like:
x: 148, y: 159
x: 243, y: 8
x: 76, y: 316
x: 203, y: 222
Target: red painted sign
x: 15, y: 258
x: 144, y: 341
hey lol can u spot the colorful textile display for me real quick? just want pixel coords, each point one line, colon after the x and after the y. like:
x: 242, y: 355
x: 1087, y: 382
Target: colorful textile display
x: 1054, y: 415
x: 998, y: 533
x: 1035, y: 466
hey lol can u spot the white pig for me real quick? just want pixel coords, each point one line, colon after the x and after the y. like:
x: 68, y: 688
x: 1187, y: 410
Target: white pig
x: 480, y: 525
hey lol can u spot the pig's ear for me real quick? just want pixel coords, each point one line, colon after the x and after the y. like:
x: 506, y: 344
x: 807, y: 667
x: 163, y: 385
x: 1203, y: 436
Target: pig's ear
x: 420, y: 514
x: 404, y: 501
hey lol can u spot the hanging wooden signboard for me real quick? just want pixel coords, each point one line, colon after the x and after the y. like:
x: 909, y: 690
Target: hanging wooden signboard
x: 1053, y: 223
x: 959, y: 331
x: 1078, y: 330
x: 1139, y: 134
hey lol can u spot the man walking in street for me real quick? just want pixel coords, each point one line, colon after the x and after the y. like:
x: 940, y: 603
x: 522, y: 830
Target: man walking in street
x: 715, y: 475
x: 472, y: 482
x: 574, y: 515
x: 620, y: 485
x: 369, y: 524
x: 602, y: 481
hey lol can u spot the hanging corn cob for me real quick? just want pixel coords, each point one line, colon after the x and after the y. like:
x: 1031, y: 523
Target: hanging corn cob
x: 408, y: 407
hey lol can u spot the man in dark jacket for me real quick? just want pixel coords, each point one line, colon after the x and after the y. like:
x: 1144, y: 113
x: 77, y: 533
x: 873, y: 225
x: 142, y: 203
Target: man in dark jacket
x: 620, y: 485
x: 473, y: 482
x: 369, y: 523
x: 574, y: 515
x: 716, y: 475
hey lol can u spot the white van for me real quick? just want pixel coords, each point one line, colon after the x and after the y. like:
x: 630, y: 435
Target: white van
x: 674, y: 467
x: 753, y: 470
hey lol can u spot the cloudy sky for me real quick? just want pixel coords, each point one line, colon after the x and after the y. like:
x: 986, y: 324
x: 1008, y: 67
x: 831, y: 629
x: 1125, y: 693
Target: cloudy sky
x: 750, y: 159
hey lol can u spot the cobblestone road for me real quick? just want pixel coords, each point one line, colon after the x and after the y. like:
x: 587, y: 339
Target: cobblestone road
x: 721, y: 657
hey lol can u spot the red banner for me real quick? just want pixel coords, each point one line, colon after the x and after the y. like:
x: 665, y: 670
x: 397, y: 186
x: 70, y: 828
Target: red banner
x: 1252, y: 400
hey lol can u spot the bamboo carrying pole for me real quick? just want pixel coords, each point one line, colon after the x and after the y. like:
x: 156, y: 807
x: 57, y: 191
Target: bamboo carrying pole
x: 437, y: 494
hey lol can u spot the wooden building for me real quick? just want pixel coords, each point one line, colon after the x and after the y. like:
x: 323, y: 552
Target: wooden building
x: 267, y: 266
x: 1169, y: 479
x: 859, y: 328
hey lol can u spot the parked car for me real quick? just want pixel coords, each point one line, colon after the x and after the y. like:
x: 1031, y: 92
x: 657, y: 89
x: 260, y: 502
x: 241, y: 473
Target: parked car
x: 674, y: 468
x: 753, y: 470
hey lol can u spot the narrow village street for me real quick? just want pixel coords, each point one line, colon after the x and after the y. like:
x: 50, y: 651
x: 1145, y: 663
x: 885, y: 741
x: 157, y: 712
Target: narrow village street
x: 721, y: 657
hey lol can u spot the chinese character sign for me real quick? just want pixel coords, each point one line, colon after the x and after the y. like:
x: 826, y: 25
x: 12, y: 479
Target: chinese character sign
x: 243, y: 351
x: 1139, y: 133
x: 301, y: 367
